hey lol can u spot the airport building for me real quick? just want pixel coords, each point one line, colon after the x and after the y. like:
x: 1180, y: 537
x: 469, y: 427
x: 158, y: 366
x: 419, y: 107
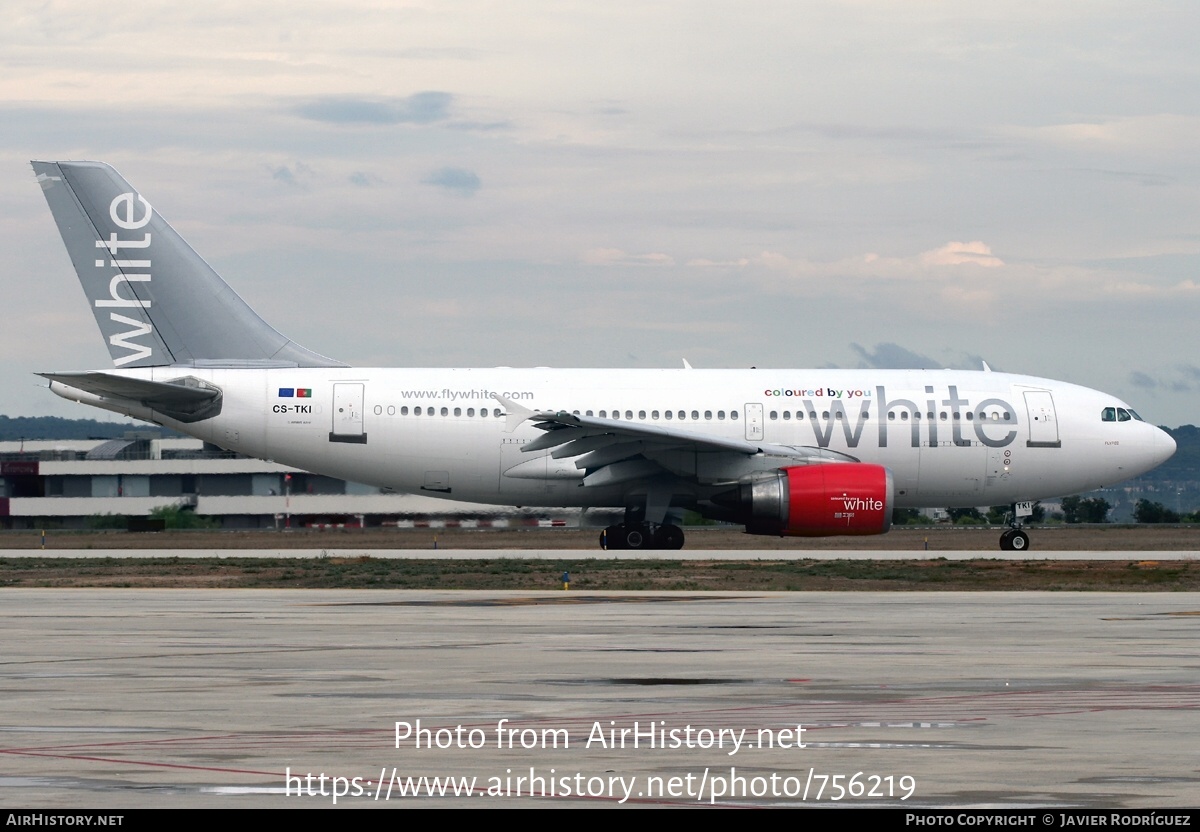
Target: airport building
x: 80, y: 484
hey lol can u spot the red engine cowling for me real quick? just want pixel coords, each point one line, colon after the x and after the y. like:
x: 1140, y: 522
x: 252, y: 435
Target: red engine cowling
x: 820, y: 500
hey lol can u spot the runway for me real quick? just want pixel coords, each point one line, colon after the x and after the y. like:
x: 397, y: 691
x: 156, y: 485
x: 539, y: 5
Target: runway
x: 585, y: 554
x: 131, y: 698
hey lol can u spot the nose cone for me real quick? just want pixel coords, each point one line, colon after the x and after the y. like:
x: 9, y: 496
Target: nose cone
x: 1162, y: 447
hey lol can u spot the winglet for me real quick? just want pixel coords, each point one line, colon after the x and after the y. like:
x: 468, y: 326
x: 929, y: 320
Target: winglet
x: 986, y: 368
x: 686, y: 365
x: 516, y: 414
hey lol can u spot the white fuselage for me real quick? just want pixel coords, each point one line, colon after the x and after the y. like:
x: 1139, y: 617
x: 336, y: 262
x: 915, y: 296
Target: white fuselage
x: 950, y: 438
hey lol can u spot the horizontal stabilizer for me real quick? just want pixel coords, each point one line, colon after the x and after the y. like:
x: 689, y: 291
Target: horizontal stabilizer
x: 185, y: 399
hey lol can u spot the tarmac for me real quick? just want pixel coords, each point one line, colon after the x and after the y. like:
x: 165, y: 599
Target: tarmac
x: 290, y: 698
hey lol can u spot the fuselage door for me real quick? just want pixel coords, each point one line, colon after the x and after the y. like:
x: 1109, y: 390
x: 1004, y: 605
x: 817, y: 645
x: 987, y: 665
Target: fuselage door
x: 348, y: 414
x: 754, y: 422
x: 1043, y: 424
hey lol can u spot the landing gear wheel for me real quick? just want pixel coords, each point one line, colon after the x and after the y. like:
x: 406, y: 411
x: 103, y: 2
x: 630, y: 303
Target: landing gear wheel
x: 613, y: 538
x: 669, y: 537
x: 636, y: 537
x: 1014, y: 540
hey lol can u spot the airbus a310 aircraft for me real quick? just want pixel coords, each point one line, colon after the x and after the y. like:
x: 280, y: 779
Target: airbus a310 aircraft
x: 785, y: 452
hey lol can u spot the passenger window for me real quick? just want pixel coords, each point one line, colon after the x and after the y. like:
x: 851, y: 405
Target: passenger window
x: 682, y: 414
x: 720, y: 414
x: 603, y: 414
x: 668, y: 415
x: 733, y: 414
x: 708, y: 415
x: 866, y: 414
x: 787, y: 415
x: 404, y: 410
x: 891, y: 416
x: 470, y: 411
x: 588, y: 412
x: 774, y: 415
x: 416, y: 411
x: 458, y: 411
x: 653, y: 414
x: 641, y: 414
x: 695, y: 415
x: 629, y: 415
x: 903, y: 415
x: 445, y: 411
x: 825, y: 415
x: 498, y: 412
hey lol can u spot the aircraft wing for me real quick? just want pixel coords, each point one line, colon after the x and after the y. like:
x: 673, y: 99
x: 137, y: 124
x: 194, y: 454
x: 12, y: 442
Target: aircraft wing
x: 610, y: 451
x: 187, y: 399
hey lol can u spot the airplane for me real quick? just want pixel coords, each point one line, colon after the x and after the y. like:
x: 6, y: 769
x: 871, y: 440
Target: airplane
x: 802, y: 453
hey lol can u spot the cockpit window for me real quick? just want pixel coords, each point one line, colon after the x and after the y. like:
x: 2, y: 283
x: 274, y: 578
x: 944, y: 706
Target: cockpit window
x: 1119, y: 414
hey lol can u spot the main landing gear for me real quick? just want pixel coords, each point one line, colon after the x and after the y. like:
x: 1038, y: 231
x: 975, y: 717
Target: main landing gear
x: 642, y: 536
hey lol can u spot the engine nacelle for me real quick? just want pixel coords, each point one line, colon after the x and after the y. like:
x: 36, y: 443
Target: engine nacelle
x: 850, y: 498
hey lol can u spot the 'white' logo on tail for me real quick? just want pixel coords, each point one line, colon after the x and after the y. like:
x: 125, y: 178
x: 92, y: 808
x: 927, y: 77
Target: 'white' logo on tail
x: 122, y: 212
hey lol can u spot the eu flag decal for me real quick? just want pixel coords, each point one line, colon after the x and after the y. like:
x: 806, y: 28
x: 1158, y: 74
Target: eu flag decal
x: 287, y: 392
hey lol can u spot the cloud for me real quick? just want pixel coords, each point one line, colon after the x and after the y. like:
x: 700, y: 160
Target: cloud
x: 1190, y: 373
x: 617, y: 257
x: 291, y: 175
x: 889, y: 356
x: 419, y: 108
x: 954, y: 254
x: 1157, y: 133
x: 457, y: 180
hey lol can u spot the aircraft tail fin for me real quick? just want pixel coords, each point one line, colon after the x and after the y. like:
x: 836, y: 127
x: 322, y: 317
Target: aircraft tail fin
x: 155, y: 300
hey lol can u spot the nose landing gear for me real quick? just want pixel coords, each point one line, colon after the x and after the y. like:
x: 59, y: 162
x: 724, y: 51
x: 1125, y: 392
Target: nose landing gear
x: 1014, y: 540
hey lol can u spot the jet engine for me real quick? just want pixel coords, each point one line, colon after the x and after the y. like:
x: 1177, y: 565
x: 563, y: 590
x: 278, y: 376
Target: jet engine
x: 850, y: 498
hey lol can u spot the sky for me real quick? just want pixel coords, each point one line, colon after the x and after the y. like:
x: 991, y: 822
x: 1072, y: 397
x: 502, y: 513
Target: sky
x: 630, y: 184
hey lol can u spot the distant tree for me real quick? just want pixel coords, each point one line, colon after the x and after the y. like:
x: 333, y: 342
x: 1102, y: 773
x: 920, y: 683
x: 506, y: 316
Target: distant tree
x: 1147, y: 512
x: 907, y: 516
x: 181, y: 518
x: 965, y: 516
x: 13, y: 428
x: 1077, y: 509
x: 108, y: 521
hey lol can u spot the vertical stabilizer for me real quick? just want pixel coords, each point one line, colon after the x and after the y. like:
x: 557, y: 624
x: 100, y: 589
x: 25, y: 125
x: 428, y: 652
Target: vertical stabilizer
x: 156, y: 301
